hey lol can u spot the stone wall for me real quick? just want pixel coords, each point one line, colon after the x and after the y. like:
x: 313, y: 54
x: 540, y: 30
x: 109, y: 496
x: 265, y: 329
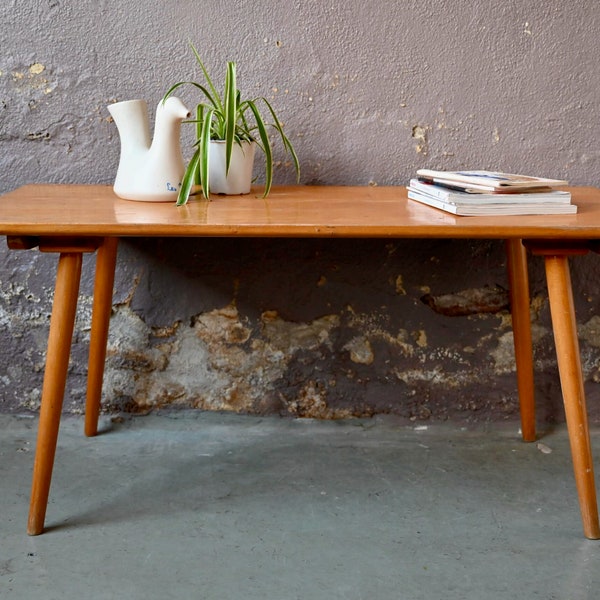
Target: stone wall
x: 368, y: 93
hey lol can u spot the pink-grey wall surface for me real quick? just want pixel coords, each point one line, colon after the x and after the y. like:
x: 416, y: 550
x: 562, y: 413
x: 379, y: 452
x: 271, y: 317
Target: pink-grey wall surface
x: 368, y: 92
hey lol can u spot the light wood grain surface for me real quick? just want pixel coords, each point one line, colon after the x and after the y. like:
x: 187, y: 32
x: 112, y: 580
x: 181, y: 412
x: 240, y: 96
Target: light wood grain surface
x: 295, y: 211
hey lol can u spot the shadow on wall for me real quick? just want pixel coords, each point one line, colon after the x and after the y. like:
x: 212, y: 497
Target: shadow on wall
x: 317, y: 328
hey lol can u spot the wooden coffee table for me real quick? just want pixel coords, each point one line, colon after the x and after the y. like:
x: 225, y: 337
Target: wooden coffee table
x: 74, y: 219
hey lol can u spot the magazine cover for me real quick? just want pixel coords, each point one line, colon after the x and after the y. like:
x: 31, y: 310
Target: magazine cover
x: 488, y: 180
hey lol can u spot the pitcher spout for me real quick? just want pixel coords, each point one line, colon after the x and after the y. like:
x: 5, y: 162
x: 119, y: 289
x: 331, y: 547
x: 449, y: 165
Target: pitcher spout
x: 149, y: 170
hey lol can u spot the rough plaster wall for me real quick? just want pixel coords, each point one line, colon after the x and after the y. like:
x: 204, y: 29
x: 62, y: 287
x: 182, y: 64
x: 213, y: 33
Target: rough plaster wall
x: 369, y: 92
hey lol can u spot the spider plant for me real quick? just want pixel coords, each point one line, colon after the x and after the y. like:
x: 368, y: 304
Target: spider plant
x: 230, y: 119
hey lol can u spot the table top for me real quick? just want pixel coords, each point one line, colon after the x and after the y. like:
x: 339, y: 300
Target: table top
x: 289, y: 211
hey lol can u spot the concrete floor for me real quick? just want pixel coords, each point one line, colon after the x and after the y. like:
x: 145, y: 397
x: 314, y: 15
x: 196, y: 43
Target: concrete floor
x: 206, y: 506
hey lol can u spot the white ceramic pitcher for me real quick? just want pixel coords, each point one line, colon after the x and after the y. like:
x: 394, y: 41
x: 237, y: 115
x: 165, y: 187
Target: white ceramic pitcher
x: 149, y: 170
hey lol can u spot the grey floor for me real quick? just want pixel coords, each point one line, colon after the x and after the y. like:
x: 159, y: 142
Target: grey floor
x: 206, y: 506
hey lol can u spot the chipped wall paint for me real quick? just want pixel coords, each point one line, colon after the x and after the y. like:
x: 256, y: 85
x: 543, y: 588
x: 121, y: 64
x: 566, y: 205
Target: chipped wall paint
x: 368, y: 93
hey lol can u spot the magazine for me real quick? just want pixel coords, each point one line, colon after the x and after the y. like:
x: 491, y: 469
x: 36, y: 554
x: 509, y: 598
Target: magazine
x: 461, y: 197
x: 481, y: 209
x: 488, y: 180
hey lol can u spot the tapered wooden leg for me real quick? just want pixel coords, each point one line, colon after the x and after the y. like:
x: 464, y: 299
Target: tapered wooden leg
x: 521, y: 322
x: 103, y: 293
x: 62, y: 322
x: 569, y: 364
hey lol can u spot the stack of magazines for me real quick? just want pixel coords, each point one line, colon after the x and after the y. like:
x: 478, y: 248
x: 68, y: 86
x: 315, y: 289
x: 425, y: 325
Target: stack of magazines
x: 474, y: 193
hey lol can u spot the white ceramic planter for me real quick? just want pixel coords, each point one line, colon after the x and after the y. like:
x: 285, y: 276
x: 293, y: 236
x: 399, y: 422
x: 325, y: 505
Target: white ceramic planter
x: 239, y: 178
